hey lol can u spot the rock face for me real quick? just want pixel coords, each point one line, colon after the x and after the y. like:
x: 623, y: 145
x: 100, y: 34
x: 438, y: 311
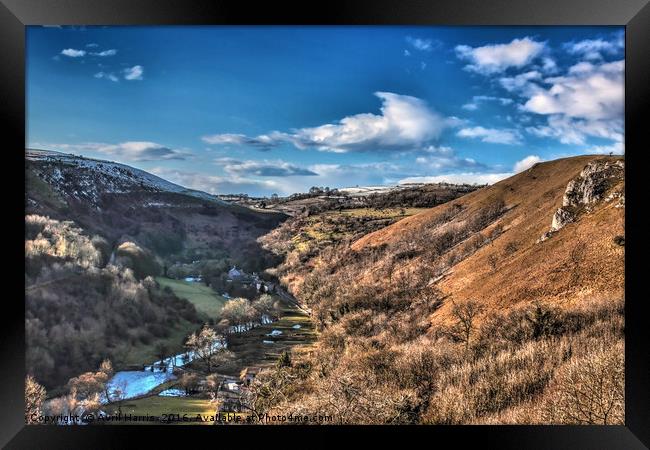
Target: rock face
x: 593, y: 182
x: 588, y: 188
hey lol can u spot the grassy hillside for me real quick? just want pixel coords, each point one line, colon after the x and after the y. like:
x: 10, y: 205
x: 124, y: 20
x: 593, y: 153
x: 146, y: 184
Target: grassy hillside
x: 204, y: 299
x: 580, y: 261
x: 303, y: 237
x: 475, y: 311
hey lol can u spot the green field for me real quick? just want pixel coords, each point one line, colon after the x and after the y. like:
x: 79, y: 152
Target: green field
x: 188, y: 407
x: 201, y: 296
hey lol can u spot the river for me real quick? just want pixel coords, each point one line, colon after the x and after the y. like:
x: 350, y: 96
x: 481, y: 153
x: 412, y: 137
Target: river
x: 134, y: 383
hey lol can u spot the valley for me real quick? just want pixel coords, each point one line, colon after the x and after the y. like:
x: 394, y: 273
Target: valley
x: 440, y: 304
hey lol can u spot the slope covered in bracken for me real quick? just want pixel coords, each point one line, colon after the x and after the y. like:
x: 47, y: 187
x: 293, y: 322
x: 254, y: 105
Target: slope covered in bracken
x: 502, y: 306
x: 583, y: 259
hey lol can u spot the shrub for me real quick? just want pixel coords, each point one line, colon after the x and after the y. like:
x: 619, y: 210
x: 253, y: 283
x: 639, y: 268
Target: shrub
x: 589, y: 390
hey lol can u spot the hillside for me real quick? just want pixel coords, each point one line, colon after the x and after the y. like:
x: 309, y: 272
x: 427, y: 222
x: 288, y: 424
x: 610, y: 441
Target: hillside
x: 96, y: 233
x: 579, y: 261
x: 326, y: 222
x: 122, y: 203
x: 502, y: 306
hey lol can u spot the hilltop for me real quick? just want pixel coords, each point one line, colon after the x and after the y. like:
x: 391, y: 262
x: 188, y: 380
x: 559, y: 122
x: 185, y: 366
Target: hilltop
x: 123, y: 203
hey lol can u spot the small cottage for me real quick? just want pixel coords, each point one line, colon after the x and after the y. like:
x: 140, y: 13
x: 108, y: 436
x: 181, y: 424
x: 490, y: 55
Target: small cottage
x: 234, y: 273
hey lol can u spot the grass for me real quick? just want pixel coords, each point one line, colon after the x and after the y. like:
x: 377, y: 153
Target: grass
x: 385, y: 213
x: 182, y: 410
x: 202, y: 297
x: 320, y: 229
x: 250, y: 351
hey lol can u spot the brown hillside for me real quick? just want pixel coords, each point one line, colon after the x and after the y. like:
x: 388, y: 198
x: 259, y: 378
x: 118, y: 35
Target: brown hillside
x: 580, y: 260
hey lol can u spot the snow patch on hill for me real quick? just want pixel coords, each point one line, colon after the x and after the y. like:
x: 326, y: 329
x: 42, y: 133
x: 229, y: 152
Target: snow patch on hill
x: 113, y: 177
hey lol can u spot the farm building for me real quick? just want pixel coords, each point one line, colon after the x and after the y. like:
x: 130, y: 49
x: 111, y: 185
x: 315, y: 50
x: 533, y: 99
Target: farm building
x: 234, y: 273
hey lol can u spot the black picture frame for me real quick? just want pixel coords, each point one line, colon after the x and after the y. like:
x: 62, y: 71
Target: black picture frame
x: 633, y: 14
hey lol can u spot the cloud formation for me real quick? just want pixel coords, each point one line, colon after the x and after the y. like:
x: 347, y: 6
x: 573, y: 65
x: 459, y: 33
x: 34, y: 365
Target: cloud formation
x: 438, y: 158
x: 73, y: 53
x: 587, y: 92
x: 526, y: 163
x: 128, y: 151
x: 110, y: 52
x: 142, y: 151
x: 262, y: 142
x: 214, y: 184
x: 492, y: 135
x: 495, y: 58
x: 421, y: 44
x: 587, y: 101
x: 522, y: 82
x: 593, y: 49
x: 262, y: 168
x: 133, y: 73
x: 107, y: 76
x: 478, y: 99
x: 405, y: 122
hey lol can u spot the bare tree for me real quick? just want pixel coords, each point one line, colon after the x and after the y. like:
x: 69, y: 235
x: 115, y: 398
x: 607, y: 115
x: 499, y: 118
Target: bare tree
x: 206, y: 345
x: 465, y: 314
x: 590, y: 390
x: 34, y: 397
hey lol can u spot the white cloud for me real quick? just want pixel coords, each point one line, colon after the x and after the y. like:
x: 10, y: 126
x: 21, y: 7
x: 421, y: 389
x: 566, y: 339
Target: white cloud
x: 214, y: 184
x: 405, y: 122
x: 142, y: 151
x: 73, y: 53
x: 593, y: 49
x: 443, y: 158
x: 492, y: 135
x: 108, y: 76
x: 521, y: 82
x: 617, y: 148
x: 133, y: 73
x: 460, y: 178
x: 92, y: 45
x: 587, y: 101
x: 262, y: 142
x: 526, y: 163
x: 575, y: 131
x: 263, y: 168
x: 549, y: 65
x: 477, y: 99
x: 110, y: 52
x: 587, y: 92
x: 128, y: 151
x: 421, y: 44
x: 495, y: 58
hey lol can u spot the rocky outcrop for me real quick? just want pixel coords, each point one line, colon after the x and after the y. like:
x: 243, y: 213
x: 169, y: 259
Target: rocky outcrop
x: 590, y: 187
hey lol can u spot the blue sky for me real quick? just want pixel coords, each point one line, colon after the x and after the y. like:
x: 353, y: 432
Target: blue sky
x: 264, y: 110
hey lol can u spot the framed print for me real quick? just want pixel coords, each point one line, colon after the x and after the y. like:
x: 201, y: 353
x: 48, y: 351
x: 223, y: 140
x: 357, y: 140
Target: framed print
x: 376, y: 216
